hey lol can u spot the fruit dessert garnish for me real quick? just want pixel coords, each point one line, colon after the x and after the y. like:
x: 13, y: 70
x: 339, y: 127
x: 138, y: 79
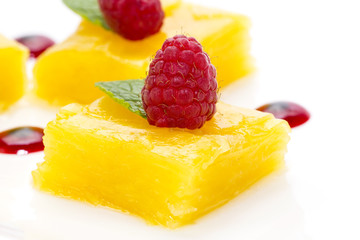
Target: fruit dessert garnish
x: 293, y: 113
x: 37, y: 44
x: 106, y: 153
x: 131, y: 19
x: 13, y: 58
x: 181, y: 88
x: 95, y: 52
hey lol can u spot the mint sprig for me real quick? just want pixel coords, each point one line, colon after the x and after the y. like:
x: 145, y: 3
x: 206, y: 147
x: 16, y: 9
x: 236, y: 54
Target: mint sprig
x: 88, y: 9
x: 127, y: 93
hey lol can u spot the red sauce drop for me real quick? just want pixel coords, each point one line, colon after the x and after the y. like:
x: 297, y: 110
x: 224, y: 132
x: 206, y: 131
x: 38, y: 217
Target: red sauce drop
x: 293, y: 113
x: 37, y: 44
x: 22, y: 140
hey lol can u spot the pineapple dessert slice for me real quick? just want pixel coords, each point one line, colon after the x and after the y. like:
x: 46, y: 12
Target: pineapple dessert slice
x: 163, y: 148
x: 13, y: 58
x: 67, y: 72
x: 105, y: 155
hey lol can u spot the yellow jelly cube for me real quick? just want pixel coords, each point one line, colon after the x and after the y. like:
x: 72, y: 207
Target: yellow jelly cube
x: 106, y: 155
x: 67, y: 72
x: 13, y: 58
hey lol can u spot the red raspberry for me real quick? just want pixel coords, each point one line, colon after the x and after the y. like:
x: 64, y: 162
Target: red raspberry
x: 133, y: 19
x: 180, y: 89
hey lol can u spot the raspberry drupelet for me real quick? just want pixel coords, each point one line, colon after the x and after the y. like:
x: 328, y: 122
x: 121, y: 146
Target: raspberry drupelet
x: 133, y: 19
x: 181, y: 88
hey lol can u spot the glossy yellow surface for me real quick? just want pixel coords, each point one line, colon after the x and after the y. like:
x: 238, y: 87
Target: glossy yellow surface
x: 104, y: 154
x: 13, y: 57
x: 67, y: 72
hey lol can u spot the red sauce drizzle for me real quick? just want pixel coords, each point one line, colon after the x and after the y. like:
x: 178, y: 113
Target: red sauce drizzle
x: 22, y: 140
x: 37, y: 44
x: 293, y: 113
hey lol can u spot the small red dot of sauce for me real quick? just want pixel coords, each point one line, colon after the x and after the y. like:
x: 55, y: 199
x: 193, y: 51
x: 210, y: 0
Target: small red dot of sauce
x: 22, y: 140
x: 293, y: 113
x: 36, y: 44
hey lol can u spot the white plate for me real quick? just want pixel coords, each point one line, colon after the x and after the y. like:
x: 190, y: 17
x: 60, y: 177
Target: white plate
x: 307, y: 52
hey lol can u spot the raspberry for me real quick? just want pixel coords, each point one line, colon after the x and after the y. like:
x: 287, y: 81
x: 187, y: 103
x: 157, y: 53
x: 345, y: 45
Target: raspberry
x: 181, y: 88
x: 133, y: 19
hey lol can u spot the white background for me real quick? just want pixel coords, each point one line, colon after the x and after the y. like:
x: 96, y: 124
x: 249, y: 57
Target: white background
x: 306, y: 51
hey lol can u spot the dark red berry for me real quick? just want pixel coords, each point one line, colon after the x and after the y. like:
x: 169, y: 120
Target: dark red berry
x: 133, y: 19
x: 22, y: 140
x: 181, y: 88
x: 293, y: 113
x: 37, y: 44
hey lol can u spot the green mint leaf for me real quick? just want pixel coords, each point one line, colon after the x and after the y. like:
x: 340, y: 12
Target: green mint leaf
x: 88, y: 9
x: 126, y: 92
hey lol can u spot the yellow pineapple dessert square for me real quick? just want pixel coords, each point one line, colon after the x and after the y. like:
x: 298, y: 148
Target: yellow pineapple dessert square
x: 106, y: 155
x: 13, y: 58
x: 67, y: 72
